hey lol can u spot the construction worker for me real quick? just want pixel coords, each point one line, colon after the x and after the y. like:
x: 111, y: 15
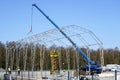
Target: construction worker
x: 9, y: 70
x: 18, y: 71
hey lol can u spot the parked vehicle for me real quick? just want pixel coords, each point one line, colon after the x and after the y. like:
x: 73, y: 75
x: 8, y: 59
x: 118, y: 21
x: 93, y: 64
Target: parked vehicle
x: 111, y: 67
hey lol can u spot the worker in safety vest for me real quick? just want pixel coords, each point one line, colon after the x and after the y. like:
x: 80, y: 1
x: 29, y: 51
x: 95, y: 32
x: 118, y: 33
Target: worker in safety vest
x: 18, y: 71
x: 9, y: 70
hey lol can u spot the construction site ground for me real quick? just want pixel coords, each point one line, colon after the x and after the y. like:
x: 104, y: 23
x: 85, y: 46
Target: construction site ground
x: 36, y: 75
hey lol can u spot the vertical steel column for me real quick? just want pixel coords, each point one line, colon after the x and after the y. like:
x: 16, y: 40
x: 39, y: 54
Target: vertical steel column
x: 68, y: 61
x: 88, y: 54
x: 59, y: 58
x: 25, y: 57
x: 78, y: 68
x: 6, y: 54
x: 32, y: 57
x: 42, y: 51
x: 12, y: 57
x: 102, y: 56
x: 17, y: 57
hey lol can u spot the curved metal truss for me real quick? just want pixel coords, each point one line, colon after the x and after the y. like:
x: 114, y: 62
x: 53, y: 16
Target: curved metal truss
x: 81, y: 36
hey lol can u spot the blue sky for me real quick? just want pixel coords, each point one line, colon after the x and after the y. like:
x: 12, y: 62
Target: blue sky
x: 100, y: 16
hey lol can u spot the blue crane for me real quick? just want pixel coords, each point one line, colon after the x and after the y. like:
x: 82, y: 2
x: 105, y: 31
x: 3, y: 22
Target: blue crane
x: 93, y: 66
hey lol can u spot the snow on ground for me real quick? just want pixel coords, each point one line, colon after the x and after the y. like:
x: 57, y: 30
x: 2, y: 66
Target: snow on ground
x: 63, y: 76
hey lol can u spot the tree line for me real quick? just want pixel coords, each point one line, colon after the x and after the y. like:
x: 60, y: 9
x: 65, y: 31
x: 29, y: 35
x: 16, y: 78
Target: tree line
x: 111, y: 56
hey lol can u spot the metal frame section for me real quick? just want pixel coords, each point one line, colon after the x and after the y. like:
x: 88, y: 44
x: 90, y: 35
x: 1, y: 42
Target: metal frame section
x: 81, y: 36
x: 78, y: 34
x: 10, y: 51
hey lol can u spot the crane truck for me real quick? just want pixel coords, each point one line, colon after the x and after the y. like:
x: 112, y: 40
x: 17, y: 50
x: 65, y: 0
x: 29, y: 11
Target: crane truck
x: 92, y: 65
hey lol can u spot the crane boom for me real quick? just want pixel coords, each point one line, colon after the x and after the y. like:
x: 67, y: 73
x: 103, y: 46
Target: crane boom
x: 69, y: 39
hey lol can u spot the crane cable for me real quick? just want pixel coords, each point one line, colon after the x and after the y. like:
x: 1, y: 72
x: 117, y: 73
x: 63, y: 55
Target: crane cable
x: 30, y: 31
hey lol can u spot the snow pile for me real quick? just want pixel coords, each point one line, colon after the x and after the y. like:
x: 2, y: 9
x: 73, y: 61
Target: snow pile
x: 106, y: 75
